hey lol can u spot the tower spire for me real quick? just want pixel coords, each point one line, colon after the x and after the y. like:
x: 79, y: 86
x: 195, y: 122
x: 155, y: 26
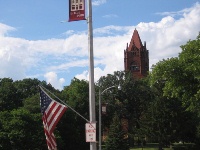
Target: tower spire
x: 135, y: 40
x: 136, y: 57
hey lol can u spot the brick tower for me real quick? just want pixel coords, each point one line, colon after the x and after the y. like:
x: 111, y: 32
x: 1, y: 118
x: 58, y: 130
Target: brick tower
x: 136, y: 57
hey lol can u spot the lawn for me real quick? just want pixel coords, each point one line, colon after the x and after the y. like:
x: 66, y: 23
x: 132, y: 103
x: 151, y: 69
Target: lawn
x: 176, y: 146
x: 154, y: 146
x: 148, y: 148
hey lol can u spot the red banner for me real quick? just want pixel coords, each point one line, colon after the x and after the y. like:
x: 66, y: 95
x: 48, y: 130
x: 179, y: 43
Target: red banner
x: 76, y: 10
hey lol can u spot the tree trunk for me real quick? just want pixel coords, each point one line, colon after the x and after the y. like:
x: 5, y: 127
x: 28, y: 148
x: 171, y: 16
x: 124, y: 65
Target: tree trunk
x: 160, y: 147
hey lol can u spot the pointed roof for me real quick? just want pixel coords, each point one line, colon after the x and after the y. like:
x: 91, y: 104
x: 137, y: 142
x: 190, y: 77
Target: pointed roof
x: 135, y: 40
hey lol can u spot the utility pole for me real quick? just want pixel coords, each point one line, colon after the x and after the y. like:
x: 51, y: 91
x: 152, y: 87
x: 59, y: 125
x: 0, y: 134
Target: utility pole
x: 91, y: 70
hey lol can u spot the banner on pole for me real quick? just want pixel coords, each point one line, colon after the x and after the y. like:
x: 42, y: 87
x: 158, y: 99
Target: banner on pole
x: 76, y: 10
x: 90, y: 130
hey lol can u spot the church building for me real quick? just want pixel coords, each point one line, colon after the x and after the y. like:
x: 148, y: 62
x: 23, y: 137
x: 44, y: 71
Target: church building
x: 136, y: 57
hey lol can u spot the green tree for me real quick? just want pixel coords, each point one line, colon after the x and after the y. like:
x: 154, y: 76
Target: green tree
x: 182, y: 75
x: 32, y: 104
x: 72, y: 126
x: 109, y: 97
x: 129, y: 103
x: 19, y: 130
x: 136, y: 97
x: 27, y: 87
x: 177, y: 83
x: 9, y: 98
x: 117, y: 139
x: 168, y: 120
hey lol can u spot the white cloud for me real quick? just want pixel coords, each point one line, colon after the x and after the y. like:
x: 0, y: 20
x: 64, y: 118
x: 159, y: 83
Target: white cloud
x: 19, y: 55
x: 69, y: 32
x: 111, y: 30
x: 72, y: 63
x: 22, y: 58
x: 176, y: 13
x: 52, y: 78
x: 4, y: 29
x: 61, y: 46
x: 83, y: 76
x: 11, y: 65
x: 163, y: 38
x: 110, y: 16
x: 98, y: 2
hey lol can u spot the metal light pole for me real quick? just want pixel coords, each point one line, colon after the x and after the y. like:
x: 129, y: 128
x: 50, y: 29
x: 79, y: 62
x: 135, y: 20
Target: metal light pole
x: 91, y: 71
x: 100, y: 93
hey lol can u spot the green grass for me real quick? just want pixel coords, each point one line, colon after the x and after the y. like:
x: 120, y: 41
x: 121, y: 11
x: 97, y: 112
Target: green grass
x: 149, y: 146
x: 146, y: 148
x: 154, y: 146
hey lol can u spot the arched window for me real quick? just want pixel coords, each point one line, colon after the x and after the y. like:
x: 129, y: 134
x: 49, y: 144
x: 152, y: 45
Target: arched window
x: 134, y: 66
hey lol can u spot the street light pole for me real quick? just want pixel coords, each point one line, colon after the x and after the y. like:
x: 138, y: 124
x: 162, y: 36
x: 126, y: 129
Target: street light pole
x: 91, y: 71
x: 100, y: 93
x: 99, y: 119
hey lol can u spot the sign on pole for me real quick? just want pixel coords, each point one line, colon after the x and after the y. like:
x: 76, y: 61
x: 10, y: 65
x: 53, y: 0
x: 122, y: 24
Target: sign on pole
x: 90, y: 130
x: 76, y: 10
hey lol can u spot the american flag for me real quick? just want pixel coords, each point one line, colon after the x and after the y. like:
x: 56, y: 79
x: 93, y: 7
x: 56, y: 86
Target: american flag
x: 52, y: 111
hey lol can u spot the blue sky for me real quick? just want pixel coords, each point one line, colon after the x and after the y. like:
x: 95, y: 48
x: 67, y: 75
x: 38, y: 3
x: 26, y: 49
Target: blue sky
x: 35, y: 44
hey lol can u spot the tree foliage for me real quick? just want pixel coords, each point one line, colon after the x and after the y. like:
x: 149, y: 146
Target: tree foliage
x: 181, y: 75
x: 130, y: 102
x: 117, y: 139
x: 72, y: 126
x: 19, y: 129
x: 9, y: 97
x: 176, y: 86
x: 163, y: 106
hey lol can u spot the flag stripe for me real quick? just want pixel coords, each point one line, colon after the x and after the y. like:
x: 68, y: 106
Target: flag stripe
x: 51, y: 114
x: 52, y: 111
x: 51, y: 141
x: 50, y: 108
x: 56, y: 117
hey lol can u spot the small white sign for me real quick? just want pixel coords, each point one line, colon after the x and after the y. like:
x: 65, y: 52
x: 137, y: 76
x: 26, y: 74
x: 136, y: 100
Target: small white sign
x: 90, y: 130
